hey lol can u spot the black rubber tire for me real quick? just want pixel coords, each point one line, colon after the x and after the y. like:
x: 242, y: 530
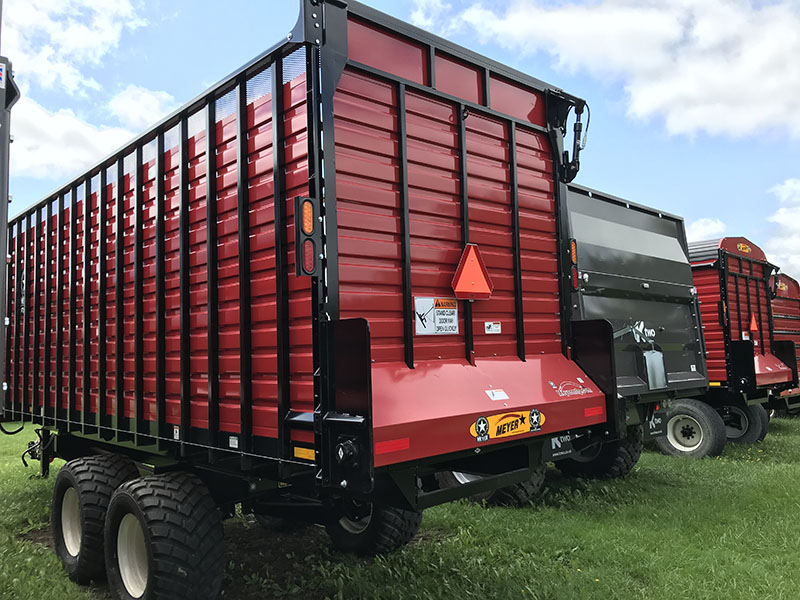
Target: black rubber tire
x: 183, y: 537
x: 711, y: 425
x: 94, y: 479
x: 763, y: 415
x: 754, y: 424
x: 519, y: 494
x: 614, y: 460
x: 387, y: 529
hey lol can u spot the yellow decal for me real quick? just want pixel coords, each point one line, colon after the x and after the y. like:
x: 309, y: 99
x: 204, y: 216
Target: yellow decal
x: 743, y: 248
x: 782, y: 286
x: 304, y: 453
x: 445, y: 303
x: 506, y: 425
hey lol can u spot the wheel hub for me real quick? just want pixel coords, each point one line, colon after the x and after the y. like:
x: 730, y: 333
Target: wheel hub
x: 736, y: 422
x: 684, y: 433
x: 132, y: 556
x: 71, y: 529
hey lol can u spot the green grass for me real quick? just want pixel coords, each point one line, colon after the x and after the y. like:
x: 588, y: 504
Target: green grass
x: 717, y: 528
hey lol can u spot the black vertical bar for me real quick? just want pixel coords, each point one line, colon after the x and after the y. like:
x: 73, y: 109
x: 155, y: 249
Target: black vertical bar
x: 37, y: 307
x: 73, y: 259
x: 211, y: 270
x: 11, y: 292
x: 408, y: 308
x: 138, y: 274
x: 27, y: 316
x: 119, y: 285
x: 243, y: 213
x: 186, y: 372
x: 87, y: 288
x: 469, y: 344
x: 102, y: 207
x: 758, y: 305
x: 19, y: 314
x: 513, y: 184
x: 161, y: 361
x: 431, y: 57
x: 738, y: 297
x: 48, y: 311
x: 486, y: 82
x: 281, y: 256
x: 59, y: 395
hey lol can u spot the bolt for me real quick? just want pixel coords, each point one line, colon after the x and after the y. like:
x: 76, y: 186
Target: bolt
x: 289, y: 37
x: 343, y: 484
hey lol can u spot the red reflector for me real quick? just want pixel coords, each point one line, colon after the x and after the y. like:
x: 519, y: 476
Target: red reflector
x: 472, y: 281
x: 575, y: 281
x: 594, y: 411
x: 658, y: 407
x: 308, y: 256
x: 392, y: 446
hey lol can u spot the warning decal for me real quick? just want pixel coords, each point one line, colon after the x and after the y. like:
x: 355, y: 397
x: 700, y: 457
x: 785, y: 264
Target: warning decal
x: 436, y: 316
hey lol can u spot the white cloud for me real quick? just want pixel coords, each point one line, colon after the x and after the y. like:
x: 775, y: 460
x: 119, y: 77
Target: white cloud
x: 138, y: 108
x: 723, y: 67
x: 60, y: 144
x: 783, y: 246
x: 705, y: 229
x: 51, y: 41
x: 430, y: 14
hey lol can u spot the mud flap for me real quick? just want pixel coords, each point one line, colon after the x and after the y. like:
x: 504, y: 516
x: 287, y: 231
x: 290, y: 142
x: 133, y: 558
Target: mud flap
x: 593, y: 351
x: 741, y: 366
x: 654, y: 425
x: 344, y: 423
x: 784, y: 350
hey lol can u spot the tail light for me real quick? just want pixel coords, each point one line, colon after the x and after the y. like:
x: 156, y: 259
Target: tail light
x: 307, y: 237
x: 576, y: 282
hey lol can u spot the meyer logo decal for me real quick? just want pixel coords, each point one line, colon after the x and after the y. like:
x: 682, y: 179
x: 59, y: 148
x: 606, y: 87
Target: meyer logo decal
x: 743, y: 248
x: 506, y: 425
x: 571, y: 388
x: 782, y: 286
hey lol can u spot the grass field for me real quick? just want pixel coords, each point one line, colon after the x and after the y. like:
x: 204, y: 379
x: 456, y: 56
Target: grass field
x: 716, y: 528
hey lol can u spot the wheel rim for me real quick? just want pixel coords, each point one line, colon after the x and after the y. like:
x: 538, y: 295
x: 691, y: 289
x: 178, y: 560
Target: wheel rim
x: 736, y: 422
x: 132, y: 556
x: 71, y: 529
x: 464, y: 478
x: 684, y: 433
x: 356, y: 524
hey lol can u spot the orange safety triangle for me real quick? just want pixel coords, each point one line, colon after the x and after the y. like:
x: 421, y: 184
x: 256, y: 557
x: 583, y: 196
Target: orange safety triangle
x: 753, y: 324
x: 472, y: 281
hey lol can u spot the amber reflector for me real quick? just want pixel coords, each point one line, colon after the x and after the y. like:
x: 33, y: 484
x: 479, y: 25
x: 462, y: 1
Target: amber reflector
x: 308, y: 217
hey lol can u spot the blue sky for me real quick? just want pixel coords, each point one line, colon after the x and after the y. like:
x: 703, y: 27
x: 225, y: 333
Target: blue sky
x: 694, y: 104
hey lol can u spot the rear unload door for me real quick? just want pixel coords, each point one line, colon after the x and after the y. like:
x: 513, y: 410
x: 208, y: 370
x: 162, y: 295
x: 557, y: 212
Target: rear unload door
x: 634, y: 272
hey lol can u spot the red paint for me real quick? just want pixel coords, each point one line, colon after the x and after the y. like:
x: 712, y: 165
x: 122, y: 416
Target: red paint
x: 376, y: 47
x: 392, y: 446
x: 516, y: 100
x: 786, y: 315
x: 459, y: 79
x: 435, y: 405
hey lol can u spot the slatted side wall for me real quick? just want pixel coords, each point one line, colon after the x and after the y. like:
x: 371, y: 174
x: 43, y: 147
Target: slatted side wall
x: 706, y: 280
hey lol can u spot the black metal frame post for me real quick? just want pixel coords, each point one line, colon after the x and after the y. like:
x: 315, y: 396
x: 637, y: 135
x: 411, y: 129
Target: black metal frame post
x: 161, y: 377
x: 119, y: 298
x: 87, y: 419
x: 469, y: 341
x: 405, y: 231
x: 138, y: 289
x: 516, y: 249
x: 103, y: 420
x: 184, y: 434
x: 59, y: 395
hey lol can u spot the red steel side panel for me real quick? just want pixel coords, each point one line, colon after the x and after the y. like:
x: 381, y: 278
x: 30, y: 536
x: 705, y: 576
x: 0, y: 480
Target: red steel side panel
x: 172, y: 290
x: 198, y: 277
x: 706, y: 280
x: 109, y: 344
x: 538, y: 259
x: 385, y: 51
